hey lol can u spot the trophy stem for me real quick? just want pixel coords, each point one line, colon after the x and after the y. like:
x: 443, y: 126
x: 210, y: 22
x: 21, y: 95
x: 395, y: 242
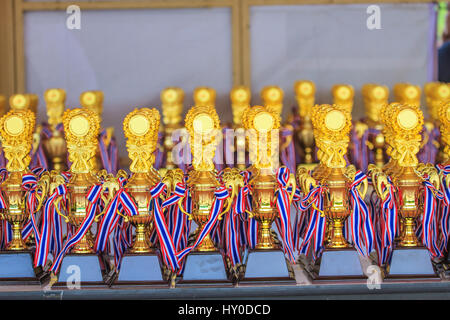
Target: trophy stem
x: 84, y: 246
x: 207, y: 245
x: 141, y: 244
x: 17, y: 243
x: 58, y: 164
x: 265, y: 238
x: 337, y: 239
x: 409, y: 238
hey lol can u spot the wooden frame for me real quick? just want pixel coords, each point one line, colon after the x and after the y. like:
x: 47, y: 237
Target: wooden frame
x: 12, y: 42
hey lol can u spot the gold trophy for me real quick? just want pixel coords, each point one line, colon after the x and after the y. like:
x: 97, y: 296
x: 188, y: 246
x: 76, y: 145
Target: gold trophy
x: 204, y: 96
x: 141, y: 263
x: 16, y: 130
x: 343, y: 95
x: 444, y: 127
x: 402, y: 127
x: 332, y: 125
x: 172, y: 108
x: 24, y: 101
x: 262, y: 125
x: 272, y: 97
x: 55, y: 146
x: 202, y: 123
x: 436, y: 93
x: 240, y: 100
x: 305, y: 94
x: 81, y: 128
x: 407, y: 93
x: 375, y: 97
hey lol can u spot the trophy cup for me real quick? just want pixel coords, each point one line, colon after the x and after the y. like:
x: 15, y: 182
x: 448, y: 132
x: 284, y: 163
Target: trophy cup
x: 16, y: 129
x: 272, y: 97
x: 374, y: 97
x: 141, y: 264
x: 343, y: 95
x: 55, y: 145
x: 172, y: 108
x: 339, y: 259
x: 436, y: 93
x: 402, y: 125
x: 81, y: 128
x: 240, y: 100
x: 204, y: 96
x: 204, y: 262
x: 266, y: 262
x: 305, y: 93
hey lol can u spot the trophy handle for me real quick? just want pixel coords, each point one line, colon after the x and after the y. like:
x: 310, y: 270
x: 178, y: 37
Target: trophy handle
x: 180, y: 206
x: 229, y: 201
x: 291, y: 182
x: 365, y: 187
x: 125, y: 218
x: 56, y: 203
x: 44, y: 186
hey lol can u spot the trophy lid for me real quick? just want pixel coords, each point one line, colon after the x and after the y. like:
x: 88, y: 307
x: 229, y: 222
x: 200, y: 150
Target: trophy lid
x: 54, y: 95
x: 272, y: 94
x: 304, y: 88
x: 343, y: 92
x: 24, y: 102
x: 240, y: 94
x: 204, y: 96
x: 172, y: 95
x: 92, y: 100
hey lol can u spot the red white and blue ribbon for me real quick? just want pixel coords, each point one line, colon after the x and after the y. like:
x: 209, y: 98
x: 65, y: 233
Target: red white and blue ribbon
x: 284, y: 210
x: 363, y: 234
x: 444, y: 208
x: 94, y: 199
x: 429, y: 224
x: 29, y: 185
x: 221, y: 194
x: 165, y: 239
x: 51, y: 228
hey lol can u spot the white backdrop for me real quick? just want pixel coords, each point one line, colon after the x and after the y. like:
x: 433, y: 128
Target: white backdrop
x: 133, y: 54
x: 331, y: 44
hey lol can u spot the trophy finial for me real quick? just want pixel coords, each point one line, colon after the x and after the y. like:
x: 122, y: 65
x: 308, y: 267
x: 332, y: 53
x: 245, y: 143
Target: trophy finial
x: 55, y: 99
x: 93, y: 100
x: 374, y: 96
x: 407, y: 93
x: 240, y: 99
x: 202, y: 123
x: 16, y: 129
x: 272, y: 97
x: 81, y: 128
x: 204, y: 96
x: 141, y: 130
x: 305, y: 91
x: 24, y: 102
x: 436, y: 93
x: 332, y: 125
x: 172, y: 105
x: 343, y: 95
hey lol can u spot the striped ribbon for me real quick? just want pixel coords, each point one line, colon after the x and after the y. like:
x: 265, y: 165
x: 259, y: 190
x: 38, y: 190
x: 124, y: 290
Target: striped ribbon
x: 284, y: 210
x: 165, y: 239
x: 444, y: 207
x: 29, y: 185
x: 315, y: 231
x: 51, y: 228
x: 221, y: 194
x: 93, y: 197
x: 361, y: 222
x: 429, y: 225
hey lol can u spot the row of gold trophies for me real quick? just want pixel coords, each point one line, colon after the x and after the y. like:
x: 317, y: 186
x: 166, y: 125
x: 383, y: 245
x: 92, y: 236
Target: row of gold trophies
x: 146, y: 214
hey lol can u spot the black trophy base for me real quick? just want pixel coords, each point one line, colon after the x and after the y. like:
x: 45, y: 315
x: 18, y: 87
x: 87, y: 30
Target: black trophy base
x: 205, y: 269
x: 16, y: 268
x: 267, y: 267
x: 339, y: 264
x: 411, y: 264
x: 82, y: 270
x: 142, y: 269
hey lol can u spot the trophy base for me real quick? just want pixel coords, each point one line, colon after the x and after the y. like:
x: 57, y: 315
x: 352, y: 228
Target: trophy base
x: 141, y: 269
x: 16, y: 267
x: 339, y: 264
x: 84, y: 270
x: 267, y: 267
x: 411, y: 263
x: 205, y: 269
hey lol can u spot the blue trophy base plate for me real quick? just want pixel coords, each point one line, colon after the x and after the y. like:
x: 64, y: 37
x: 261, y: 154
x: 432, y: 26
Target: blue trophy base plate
x: 83, y: 270
x: 205, y: 269
x: 268, y: 266
x: 141, y: 269
x: 409, y: 263
x: 340, y: 264
x: 17, y: 267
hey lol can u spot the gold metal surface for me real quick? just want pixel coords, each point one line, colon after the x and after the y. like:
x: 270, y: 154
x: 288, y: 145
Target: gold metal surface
x: 204, y: 96
x: 272, y: 97
x: 343, y: 95
x: 240, y: 97
x: 305, y: 95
